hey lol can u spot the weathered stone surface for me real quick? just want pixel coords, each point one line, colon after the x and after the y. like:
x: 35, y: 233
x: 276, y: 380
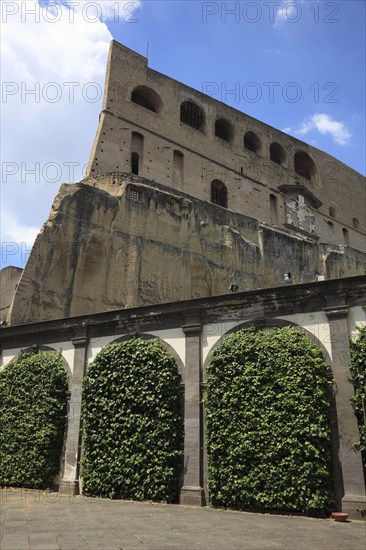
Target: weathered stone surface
x: 9, y: 278
x: 203, y: 210
x: 102, y: 249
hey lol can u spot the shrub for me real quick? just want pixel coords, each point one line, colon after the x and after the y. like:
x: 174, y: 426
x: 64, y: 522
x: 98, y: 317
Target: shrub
x: 358, y: 378
x: 268, y: 423
x: 33, y: 408
x: 132, y: 423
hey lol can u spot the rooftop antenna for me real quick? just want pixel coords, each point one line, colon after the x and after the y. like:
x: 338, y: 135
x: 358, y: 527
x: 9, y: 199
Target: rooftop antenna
x: 147, y: 50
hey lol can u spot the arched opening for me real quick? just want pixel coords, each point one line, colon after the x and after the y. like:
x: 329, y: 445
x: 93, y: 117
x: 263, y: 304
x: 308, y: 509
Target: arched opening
x: 219, y: 193
x: 135, y: 163
x: 356, y: 223
x: 252, y: 142
x: 137, y: 151
x: 332, y: 212
x: 147, y: 98
x: 251, y: 367
x: 304, y: 165
x: 192, y: 115
x: 224, y: 130
x: 139, y: 404
x: 277, y: 153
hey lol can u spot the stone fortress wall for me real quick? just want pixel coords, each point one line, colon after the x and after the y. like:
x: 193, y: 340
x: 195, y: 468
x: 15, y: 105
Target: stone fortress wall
x: 185, y: 197
x: 269, y: 175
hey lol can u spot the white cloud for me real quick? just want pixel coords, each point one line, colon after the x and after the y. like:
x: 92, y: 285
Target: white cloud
x: 53, y: 70
x: 15, y: 232
x: 324, y: 124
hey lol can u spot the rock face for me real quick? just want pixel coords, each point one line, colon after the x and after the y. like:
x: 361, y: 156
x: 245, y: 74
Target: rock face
x: 120, y: 241
x: 9, y: 279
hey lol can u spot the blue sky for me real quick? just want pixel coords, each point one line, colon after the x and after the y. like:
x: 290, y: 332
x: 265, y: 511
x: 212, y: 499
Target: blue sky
x: 297, y: 66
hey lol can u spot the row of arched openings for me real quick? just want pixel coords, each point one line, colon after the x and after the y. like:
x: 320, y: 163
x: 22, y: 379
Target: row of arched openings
x: 193, y: 115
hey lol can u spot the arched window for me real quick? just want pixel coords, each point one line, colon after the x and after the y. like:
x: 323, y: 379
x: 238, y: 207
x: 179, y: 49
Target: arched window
x: 304, y: 165
x: 137, y: 151
x: 332, y: 212
x: 223, y: 129
x: 219, y: 193
x: 252, y: 142
x: 192, y: 115
x: 356, y: 223
x: 147, y: 98
x: 277, y: 153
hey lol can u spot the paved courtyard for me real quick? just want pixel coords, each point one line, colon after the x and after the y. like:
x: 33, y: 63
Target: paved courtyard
x: 45, y: 521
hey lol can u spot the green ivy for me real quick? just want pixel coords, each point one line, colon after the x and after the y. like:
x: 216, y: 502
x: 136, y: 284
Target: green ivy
x: 33, y: 408
x: 132, y: 423
x: 268, y: 423
x: 358, y: 377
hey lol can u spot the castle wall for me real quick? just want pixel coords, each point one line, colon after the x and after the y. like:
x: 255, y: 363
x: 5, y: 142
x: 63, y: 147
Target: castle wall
x: 251, y: 177
x: 117, y: 241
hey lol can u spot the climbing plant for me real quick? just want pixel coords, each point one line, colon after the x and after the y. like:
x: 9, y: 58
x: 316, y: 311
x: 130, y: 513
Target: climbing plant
x: 358, y: 378
x: 132, y: 423
x: 268, y: 423
x: 33, y: 410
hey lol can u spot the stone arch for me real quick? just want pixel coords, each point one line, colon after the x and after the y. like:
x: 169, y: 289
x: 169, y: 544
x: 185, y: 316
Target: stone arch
x: 252, y: 142
x: 334, y: 466
x: 219, y: 193
x: 277, y: 153
x: 224, y: 129
x: 269, y: 323
x: 304, y: 165
x: 192, y: 115
x: 166, y: 346
x: 147, y: 98
x: 65, y: 364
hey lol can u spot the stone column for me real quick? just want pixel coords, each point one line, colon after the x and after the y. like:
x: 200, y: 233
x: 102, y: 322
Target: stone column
x: 70, y: 479
x: 352, y: 485
x: 192, y: 492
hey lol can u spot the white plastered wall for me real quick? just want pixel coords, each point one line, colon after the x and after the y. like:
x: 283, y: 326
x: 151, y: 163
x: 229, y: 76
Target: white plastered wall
x: 7, y: 355
x: 316, y: 323
x: 174, y: 337
x: 356, y: 318
x: 212, y: 333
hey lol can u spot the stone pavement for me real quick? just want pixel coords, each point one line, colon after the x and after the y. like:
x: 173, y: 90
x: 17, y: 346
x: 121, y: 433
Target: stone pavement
x: 36, y: 520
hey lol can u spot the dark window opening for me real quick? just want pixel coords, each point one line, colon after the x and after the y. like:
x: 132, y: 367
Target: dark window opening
x: 332, y: 212
x: 135, y: 163
x: 277, y: 153
x: 192, y: 115
x: 252, y: 142
x: 219, y: 193
x: 304, y: 165
x: 356, y: 223
x: 273, y: 206
x: 345, y: 235
x: 223, y: 129
x: 147, y: 98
